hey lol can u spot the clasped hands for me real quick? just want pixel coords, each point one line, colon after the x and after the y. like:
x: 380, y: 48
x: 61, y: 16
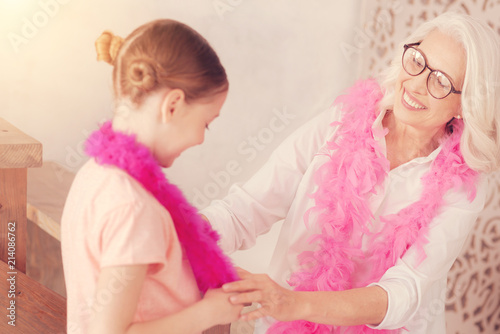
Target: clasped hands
x: 280, y: 303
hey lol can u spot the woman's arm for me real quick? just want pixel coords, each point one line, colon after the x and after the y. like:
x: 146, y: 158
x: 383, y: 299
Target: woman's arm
x: 417, y: 288
x: 117, y: 296
x: 251, y: 209
x: 340, y: 308
x: 401, y: 295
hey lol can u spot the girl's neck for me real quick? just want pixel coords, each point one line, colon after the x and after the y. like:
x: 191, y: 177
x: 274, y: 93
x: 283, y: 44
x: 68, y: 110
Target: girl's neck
x: 135, y: 121
x: 405, y: 143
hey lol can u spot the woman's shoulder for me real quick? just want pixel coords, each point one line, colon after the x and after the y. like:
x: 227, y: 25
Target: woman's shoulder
x: 461, y: 197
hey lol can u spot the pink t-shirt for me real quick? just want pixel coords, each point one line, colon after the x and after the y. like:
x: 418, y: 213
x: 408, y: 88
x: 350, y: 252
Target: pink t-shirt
x: 110, y: 220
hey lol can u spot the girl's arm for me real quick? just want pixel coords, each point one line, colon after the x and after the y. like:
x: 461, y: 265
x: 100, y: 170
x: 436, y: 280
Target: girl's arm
x: 117, y: 296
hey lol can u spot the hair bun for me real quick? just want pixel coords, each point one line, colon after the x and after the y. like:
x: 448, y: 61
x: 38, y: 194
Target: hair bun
x: 142, y: 74
x: 107, y: 47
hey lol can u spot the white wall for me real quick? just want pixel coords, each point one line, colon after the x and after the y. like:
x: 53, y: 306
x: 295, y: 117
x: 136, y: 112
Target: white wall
x: 282, y: 57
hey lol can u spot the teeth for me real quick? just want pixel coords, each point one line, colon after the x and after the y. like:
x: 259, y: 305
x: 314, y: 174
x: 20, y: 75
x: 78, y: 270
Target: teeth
x: 412, y: 103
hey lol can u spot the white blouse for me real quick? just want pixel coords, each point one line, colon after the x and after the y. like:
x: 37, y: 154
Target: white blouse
x: 281, y: 190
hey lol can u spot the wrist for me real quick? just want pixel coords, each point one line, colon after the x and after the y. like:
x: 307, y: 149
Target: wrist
x: 303, y: 305
x: 204, y: 314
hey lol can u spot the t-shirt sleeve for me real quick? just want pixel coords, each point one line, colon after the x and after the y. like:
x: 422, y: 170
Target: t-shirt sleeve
x: 135, y: 233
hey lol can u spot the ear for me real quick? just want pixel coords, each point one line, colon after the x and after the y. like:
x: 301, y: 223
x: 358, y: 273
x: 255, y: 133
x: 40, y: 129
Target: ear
x: 173, y: 101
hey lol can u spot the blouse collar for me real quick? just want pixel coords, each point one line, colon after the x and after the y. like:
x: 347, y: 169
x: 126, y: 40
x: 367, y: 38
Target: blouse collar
x: 379, y: 133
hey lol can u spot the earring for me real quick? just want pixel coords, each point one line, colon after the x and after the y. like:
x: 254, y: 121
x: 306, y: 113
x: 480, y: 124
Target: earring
x: 458, y: 117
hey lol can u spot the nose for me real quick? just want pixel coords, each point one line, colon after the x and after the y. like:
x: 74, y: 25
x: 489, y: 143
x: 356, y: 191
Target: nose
x: 418, y: 83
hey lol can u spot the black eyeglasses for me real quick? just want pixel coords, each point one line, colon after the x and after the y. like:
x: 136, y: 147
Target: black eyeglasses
x: 438, y: 83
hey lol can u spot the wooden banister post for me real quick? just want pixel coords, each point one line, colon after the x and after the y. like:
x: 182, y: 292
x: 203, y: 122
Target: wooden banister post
x: 18, y: 152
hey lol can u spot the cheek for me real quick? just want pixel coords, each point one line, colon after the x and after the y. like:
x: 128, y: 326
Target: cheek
x: 457, y: 104
x: 448, y: 107
x: 200, y: 138
x: 402, y: 76
x: 198, y: 134
x: 398, y: 89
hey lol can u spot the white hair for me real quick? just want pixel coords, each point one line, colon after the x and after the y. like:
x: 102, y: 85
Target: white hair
x: 480, y: 98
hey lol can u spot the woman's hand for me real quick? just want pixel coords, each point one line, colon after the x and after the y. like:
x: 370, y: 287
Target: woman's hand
x: 276, y: 301
x: 221, y: 310
x: 340, y: 308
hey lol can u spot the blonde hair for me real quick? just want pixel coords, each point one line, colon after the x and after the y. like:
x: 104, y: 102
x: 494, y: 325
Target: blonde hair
x: 480, y: 98
x: 158, y: 54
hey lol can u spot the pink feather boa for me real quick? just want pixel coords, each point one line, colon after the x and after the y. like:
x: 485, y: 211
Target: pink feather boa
x: 210, y: 266
x: 355, y: 168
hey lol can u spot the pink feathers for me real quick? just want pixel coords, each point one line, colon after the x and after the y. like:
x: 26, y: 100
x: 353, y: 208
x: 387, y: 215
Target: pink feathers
x: 356, y: 167
x: 210, y: 266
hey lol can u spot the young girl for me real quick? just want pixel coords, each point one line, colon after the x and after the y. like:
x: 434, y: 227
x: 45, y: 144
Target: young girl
x: 136, y: 255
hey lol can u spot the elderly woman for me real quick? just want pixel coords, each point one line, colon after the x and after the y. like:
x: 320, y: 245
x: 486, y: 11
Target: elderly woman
x: 378, y: 194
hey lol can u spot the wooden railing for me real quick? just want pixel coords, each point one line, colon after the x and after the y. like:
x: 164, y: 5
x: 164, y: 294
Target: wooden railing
x: 29, y: 307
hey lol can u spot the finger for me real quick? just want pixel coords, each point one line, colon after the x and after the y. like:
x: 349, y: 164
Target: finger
x: 253, y: 315
x: 240, y: 286
x: 242, y: 273
x: 245, y: 298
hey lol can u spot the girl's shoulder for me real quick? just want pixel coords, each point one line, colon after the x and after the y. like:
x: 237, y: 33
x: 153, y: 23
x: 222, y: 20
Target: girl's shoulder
x: 110, y: 188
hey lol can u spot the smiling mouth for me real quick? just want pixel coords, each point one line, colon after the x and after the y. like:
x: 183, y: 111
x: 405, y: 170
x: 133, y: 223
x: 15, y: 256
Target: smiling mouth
x: 412, y: 103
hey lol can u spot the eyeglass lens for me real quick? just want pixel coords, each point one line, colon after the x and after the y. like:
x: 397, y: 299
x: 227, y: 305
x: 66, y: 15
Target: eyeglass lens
x: 438, y: 84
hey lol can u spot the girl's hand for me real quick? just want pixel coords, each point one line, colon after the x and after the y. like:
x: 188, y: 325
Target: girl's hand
x: 276, y: 301
x: 219, y: 308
